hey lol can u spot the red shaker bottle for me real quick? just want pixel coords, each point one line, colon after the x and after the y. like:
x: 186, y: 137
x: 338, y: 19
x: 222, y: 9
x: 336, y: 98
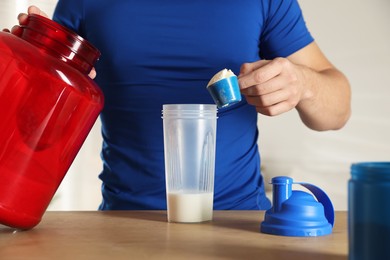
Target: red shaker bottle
x: 48, y: 105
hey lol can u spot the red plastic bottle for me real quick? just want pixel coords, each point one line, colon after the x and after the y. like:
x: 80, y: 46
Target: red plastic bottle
x: 48, y: 106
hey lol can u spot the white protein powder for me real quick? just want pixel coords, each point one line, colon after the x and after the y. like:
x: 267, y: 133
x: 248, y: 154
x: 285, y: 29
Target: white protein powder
x: 225, y: 73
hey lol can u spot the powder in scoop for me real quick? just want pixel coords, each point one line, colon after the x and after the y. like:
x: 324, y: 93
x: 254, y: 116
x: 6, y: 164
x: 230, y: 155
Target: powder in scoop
x: 225, y: 73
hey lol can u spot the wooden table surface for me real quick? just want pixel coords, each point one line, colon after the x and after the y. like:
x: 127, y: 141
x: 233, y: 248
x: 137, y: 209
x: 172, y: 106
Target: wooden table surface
x: 147, y: 235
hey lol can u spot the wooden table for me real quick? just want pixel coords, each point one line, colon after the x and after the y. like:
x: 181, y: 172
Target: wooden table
x: 147, y: 235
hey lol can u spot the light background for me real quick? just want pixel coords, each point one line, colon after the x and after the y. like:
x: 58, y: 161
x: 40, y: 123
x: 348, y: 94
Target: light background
x: 355, y: 35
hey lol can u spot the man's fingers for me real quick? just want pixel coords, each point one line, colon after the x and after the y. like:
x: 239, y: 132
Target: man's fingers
x: 17, y: 30
x: 249, y: 67
x: 22, y: 18
x: 92, y: 73
x: 262, y: 73
x: 35, y: 10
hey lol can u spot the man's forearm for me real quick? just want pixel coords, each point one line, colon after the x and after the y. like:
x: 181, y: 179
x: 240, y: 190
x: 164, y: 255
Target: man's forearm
x: 326, y: 103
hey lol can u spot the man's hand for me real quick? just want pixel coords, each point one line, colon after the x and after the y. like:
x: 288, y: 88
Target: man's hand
x: 22, y: 19
x: 272, y: 86
x: 305, y: 80
x: 17, y: 30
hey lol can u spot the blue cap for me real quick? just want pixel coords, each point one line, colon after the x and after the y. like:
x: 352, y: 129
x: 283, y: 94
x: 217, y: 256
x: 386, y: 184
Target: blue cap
x: 298, y: 213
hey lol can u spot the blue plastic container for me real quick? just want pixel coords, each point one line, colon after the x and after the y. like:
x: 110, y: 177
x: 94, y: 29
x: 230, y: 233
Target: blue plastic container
x: 369, y: 211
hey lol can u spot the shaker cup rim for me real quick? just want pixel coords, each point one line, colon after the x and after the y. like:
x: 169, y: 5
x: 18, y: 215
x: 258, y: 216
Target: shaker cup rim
x: 189, y: 110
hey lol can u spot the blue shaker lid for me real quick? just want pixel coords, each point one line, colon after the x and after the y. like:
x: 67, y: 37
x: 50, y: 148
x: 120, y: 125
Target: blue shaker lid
x: 298, y: 213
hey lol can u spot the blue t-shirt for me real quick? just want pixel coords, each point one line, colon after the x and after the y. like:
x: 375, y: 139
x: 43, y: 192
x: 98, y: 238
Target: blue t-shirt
x: 164, y: 52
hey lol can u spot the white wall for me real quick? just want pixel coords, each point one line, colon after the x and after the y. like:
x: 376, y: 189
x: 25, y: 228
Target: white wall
x: 355, y: 35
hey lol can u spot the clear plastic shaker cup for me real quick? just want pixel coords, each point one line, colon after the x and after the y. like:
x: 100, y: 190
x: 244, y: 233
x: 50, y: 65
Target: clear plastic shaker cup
x: 189, y: 151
